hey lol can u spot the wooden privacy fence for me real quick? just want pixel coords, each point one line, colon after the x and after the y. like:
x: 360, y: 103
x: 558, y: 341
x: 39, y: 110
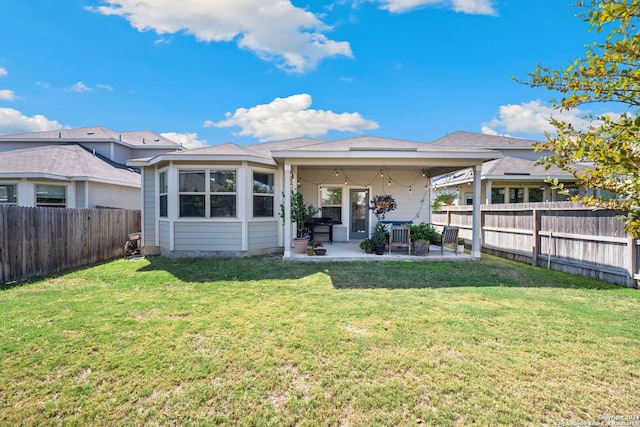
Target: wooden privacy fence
x: 562, y: 236
x: 36, y: 241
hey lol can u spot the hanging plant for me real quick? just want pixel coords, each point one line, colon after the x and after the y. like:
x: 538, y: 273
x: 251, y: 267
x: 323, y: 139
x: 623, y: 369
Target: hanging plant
x: 381, y: 204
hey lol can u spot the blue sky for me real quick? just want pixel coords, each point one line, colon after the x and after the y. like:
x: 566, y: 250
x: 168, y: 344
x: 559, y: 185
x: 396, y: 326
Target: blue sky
x: 206, y: 72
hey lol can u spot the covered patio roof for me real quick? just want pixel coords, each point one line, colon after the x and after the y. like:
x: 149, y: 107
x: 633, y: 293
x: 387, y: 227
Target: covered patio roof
x: 369, y: 152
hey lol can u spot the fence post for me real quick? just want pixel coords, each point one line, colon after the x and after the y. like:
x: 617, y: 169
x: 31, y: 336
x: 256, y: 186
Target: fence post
x: 535, y: 237
x: 632, y: 262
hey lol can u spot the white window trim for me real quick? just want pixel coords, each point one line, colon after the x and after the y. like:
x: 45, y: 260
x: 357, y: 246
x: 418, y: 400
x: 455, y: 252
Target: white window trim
x: 207, y: 193
x: 273, y: 195
x: 17, y: 192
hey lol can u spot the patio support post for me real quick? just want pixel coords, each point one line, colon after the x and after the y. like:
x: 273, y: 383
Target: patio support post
x: 287, y: 210
x: 488, y: 190
x: 476, y: 244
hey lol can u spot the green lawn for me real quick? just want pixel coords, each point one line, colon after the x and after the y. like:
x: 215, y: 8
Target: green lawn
x: 260, y: 341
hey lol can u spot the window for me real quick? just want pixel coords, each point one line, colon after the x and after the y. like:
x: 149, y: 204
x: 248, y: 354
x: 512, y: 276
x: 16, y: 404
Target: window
x: 191, y: 185
x: 331, y: 203
x: 572, y: 190
x: 207, y: 193
x: 51, y: 196
x: 516, y: 195
x: 536, y: 194
x: 497, y: 195
x: 223, y: 202
x: 263, y: 191
x: 8, y: 195
x: 164, y: 187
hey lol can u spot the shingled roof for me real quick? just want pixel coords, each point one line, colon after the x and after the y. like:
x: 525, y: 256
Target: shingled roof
x: 137, y: 139
x: 66, y: 162
x: 461, y: 139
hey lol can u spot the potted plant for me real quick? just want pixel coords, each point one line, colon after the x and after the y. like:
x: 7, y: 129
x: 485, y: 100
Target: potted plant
x: 422, y: 235
x: 318, y: 247
x: 379, y: 238
x: 301, y: 212
x: 381, y: 204
x: 461, y: 243
x: 366, y: 245
x: 442, y: 199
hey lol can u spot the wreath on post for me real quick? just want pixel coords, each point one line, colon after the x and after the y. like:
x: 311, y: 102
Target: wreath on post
x: 381, y: 204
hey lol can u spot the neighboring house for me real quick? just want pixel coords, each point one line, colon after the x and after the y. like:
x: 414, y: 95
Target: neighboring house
x: 514, y: 178
x: 75, y: 168
x: 115, y: 146
x: 225, y: 200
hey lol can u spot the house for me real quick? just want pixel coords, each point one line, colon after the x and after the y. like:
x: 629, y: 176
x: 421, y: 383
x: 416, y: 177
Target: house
x: 513, y: 178
x: 115, y: 146
x: 225, y: 200
x: 75, y: 168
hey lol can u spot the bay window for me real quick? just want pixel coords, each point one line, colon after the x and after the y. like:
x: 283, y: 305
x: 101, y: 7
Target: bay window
x: 163, y: 190
x: 207, y: 193
x: 191, y: 187
x: 223, y: 193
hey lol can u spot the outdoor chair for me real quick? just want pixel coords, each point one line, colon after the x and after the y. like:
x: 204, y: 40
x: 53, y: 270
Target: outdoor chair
x: 400, y: 237
x: 449, y: 236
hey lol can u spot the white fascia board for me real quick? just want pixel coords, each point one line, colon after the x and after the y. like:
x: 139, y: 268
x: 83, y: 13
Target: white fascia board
x: 36, y: 175
x: 361, y: 157
x: 199, y: 158
x: 527, y: 177
x: 502, y: 178
x: 7, y: 176
x: 386, y: 154
x: 107, y: 181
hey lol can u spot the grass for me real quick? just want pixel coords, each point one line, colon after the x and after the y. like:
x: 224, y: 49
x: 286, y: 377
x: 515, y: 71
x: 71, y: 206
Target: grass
x: 259, y: 341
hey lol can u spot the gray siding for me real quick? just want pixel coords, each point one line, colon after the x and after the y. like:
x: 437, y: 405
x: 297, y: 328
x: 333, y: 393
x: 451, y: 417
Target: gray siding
x: 208, y: 236
x: 164, y: 235
x: 149, y: 207
x: 263, y: 235
x: 122, y: 154
x: 81, y: 200
x: 10, y: 146
x: 102, y: 148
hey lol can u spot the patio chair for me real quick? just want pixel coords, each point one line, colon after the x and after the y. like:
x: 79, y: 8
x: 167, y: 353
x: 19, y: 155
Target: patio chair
x: 449, y: 237
x: 400, y: 237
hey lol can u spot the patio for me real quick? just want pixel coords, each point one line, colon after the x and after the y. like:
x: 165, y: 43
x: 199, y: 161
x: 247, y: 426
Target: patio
x: 350, y: 251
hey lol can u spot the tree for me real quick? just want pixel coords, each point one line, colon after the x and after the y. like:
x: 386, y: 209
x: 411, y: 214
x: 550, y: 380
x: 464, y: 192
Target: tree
x: 605, y: 156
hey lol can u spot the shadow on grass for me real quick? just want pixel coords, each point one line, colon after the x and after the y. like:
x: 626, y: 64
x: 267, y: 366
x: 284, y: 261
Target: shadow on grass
x: 489, y: 272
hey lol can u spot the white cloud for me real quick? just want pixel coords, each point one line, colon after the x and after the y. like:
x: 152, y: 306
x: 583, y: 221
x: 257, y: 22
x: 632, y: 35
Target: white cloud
x: 7, y: 95
x: 533, y: 117
x: 187, y: 140
x: 13, y: 121
x: 3, y: 72
x: 291, y: 117
x: 275, y: 30
x: 105, y: 87
x: 80, y: 87
x: 472, y: 7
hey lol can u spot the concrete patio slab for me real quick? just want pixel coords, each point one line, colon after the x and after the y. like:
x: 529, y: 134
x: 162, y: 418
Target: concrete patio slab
x: 350, y: 251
